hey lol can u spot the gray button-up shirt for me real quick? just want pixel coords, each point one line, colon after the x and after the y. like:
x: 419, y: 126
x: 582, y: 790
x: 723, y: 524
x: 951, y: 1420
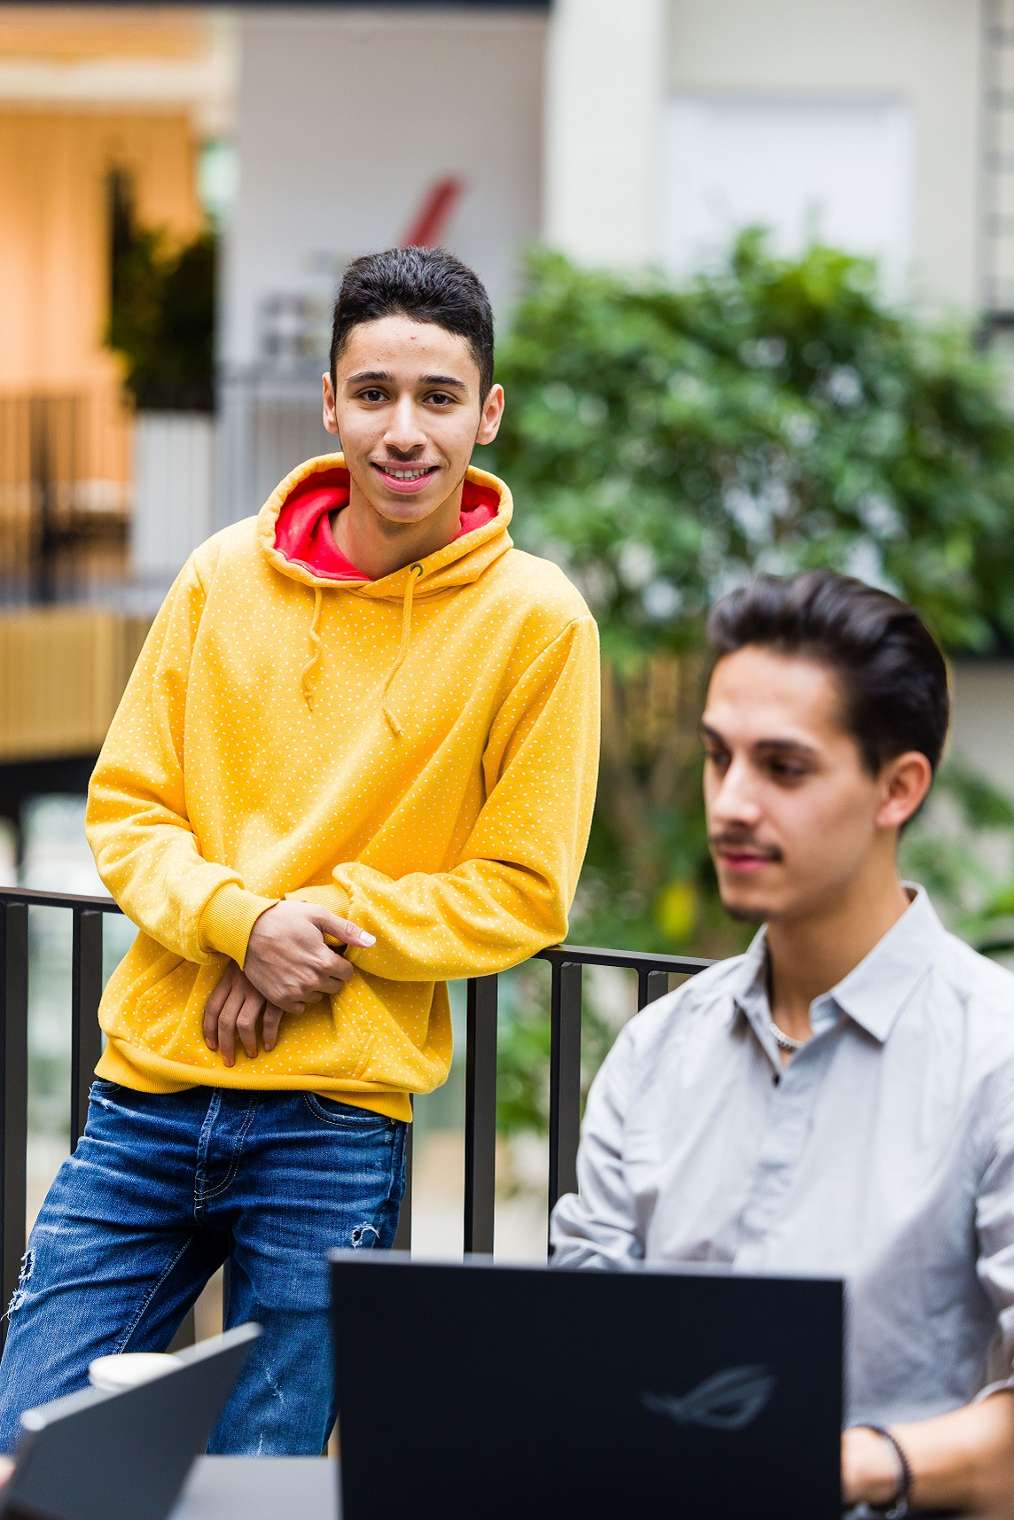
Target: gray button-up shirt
x: 883, y: 1153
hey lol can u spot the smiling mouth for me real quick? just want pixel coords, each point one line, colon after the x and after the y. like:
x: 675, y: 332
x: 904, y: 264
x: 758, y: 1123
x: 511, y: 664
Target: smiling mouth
x: 405, y: 472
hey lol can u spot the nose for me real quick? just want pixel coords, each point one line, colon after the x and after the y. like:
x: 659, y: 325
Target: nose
x: 404, y: 435
x: 733, y: 799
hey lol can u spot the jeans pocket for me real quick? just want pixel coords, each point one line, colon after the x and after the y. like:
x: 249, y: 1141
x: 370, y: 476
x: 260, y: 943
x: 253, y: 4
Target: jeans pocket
x: 102, y: 1089
x: 360, y: 1121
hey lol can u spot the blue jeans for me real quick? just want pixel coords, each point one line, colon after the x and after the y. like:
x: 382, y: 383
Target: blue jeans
x: 161, y: 1190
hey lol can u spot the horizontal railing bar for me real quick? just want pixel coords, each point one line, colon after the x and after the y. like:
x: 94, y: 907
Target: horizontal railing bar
x: 580, y: 955
x: 34, y: 899
x: 625, y: 960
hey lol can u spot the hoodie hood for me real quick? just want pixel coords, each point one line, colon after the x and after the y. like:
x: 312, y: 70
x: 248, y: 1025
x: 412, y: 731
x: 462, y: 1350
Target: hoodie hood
x: 294, y: 533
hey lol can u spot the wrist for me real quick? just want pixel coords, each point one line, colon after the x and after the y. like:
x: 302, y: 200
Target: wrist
x: 880, y: 1474
x: 229, y: 918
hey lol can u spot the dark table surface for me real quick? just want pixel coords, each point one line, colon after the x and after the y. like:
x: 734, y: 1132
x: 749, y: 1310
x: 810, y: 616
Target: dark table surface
x: 263, y: 1488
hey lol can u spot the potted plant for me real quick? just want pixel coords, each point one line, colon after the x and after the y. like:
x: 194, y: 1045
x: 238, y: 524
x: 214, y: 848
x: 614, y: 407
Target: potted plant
x: 162, y: 323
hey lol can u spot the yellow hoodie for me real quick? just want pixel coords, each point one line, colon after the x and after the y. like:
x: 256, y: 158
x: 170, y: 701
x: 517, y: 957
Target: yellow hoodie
x: 416, y: 753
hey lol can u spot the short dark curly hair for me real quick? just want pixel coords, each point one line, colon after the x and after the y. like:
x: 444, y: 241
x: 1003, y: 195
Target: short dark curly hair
x: 892, y: 673
x: 426, y: 284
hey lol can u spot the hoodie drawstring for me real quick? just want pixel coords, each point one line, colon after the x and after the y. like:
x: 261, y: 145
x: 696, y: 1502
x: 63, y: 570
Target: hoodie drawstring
x: 304, y: 679
x: 406, y: 633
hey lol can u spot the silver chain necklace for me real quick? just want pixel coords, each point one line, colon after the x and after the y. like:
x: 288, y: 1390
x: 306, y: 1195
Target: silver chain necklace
x: 782, y: 1040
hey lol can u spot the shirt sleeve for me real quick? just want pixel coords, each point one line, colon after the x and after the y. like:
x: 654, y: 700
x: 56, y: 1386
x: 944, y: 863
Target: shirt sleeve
x: 994, y: 1219
x: 136, y: 818
x: 510, y: 894
x: 597, y: 1226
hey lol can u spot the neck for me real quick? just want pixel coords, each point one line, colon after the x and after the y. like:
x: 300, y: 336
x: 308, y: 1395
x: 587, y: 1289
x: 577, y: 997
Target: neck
x: 809, y: 955
x: 380, y: 547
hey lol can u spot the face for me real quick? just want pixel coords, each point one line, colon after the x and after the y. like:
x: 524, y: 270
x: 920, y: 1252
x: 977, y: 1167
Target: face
x: 795, y: 820
x: 407, y: 409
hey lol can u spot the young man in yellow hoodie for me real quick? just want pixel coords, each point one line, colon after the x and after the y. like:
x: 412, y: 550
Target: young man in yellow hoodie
x: 356, y: 758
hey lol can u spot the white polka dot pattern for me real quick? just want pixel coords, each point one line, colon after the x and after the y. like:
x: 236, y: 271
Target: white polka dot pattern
x: 454, y: 834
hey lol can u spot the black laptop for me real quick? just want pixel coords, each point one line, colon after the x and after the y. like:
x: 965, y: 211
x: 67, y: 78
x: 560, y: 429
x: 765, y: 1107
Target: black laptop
x: 484, y: 1390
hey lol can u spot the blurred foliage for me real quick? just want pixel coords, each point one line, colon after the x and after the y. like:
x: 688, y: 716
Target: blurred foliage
x: 162, y: 320
x: 944, y: 849
x: 667, y: 440
x: 664, y: 442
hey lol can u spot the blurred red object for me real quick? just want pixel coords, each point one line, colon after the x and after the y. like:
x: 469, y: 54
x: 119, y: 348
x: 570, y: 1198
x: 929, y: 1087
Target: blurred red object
x: 427, y: 227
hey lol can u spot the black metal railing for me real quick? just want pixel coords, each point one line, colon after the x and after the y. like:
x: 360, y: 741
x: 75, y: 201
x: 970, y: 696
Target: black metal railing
x: 567, y: 963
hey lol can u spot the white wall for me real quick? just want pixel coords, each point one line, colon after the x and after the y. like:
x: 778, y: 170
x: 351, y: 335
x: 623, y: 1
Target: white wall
x: 604, y: 87
x: 343, y: 119
x: 923, y: 53
x: 840, y: 169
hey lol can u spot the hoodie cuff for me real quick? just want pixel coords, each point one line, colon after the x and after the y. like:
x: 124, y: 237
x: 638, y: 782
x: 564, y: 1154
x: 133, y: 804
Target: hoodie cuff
x: 228, y: 919
x: 332, y: 897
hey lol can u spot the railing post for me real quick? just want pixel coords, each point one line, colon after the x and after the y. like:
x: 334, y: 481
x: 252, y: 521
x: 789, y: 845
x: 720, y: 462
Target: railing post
x: 480, y: 1114
x: 564, y: 1079
x: 651, y: 985
x: 85, y: 1035
x: 14, y: 1088
x: 403, y: 1236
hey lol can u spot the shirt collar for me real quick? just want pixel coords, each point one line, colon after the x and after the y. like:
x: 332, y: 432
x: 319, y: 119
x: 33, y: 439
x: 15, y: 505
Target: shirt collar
x: 874, y: 992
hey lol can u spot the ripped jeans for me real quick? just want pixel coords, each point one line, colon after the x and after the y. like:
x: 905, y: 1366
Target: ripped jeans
x: 161, y: 1190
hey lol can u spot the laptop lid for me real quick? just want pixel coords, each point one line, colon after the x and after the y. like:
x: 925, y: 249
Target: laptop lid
x: 534, y: 1392
x: 98, y: 1455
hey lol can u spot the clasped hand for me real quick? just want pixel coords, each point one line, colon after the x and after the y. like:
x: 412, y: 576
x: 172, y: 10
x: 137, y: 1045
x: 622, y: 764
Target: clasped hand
x: 288, y: 965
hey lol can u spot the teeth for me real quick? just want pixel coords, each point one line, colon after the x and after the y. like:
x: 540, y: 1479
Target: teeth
x: 406, y: 474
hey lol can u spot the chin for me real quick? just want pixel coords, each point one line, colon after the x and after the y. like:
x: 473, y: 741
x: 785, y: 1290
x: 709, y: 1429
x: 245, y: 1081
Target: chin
x: 745, y: 913
x: 744, y: 906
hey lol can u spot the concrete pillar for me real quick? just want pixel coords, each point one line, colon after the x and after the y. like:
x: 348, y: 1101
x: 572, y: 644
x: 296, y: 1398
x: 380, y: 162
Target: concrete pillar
x: 604, y: 89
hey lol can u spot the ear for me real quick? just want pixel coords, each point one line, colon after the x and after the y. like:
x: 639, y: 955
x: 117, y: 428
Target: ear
x: 327, y: 411
x: 492, y: 412
x: 904, y: 781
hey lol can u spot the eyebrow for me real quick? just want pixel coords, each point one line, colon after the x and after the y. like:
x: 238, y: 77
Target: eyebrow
x: 763, y: 746
x: 384, y: 375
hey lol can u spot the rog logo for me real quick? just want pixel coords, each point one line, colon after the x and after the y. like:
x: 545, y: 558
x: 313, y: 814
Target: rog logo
x: 729, y: 1400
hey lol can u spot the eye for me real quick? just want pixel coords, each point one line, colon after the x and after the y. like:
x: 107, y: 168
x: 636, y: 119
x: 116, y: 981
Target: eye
x: 716, y: 757
x: 371, y: 393
x: 441, y: 398
x: 785, y: 770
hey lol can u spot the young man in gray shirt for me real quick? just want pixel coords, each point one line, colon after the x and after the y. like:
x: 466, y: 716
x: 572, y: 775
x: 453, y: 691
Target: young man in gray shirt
x: 840, y: 1099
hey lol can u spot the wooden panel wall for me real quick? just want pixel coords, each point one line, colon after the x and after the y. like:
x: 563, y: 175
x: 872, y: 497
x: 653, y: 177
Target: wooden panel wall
x: 62, y: 672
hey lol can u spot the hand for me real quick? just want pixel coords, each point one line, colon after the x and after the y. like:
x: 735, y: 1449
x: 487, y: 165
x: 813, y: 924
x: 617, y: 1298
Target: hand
x: 6, y: 1468
x: 869, y: 1468
x: 236, y: 1008
x: 287, y: 959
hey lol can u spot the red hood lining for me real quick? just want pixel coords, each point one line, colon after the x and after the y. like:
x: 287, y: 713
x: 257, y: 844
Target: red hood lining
x: 303, y: 533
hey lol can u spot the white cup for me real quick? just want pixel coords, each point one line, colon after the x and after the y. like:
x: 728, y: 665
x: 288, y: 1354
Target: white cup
x: 129, y: 1368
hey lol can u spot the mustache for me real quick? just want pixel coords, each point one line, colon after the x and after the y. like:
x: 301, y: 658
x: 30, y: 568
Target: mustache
x: 744, y: 842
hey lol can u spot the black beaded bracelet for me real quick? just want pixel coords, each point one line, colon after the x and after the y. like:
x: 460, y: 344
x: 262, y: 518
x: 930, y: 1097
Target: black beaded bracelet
x: 897, y: 1507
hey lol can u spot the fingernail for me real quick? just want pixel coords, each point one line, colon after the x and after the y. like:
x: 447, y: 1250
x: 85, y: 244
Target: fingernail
x: 211, y: 1045
x: 367, y: 939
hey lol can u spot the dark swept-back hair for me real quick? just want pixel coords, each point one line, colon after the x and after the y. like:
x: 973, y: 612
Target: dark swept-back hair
x: 426, y: 284
x: 890, y: 669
